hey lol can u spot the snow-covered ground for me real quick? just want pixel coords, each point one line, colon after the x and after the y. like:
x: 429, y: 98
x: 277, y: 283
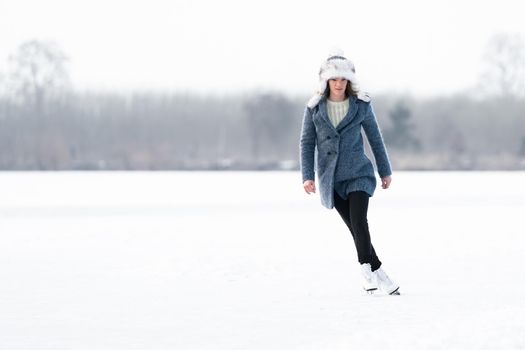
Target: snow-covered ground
x: 247, y: 260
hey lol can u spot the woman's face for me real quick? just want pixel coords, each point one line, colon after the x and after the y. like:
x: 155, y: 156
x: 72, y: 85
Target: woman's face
x: 337, y: 86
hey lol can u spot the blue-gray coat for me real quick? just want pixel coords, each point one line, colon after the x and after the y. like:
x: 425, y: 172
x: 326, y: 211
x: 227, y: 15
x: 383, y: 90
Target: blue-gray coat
x: 338, y: 153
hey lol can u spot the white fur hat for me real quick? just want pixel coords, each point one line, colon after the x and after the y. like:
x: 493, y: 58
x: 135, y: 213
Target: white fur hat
x: 335, y: 66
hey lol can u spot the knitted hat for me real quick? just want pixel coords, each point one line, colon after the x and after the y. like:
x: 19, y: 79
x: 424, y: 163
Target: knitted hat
x: 335, y: 66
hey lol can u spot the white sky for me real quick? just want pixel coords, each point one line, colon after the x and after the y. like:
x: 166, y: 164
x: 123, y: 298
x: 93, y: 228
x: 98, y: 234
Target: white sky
x: 421, y: 47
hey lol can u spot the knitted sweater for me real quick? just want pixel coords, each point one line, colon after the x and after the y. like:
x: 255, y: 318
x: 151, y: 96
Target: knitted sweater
x: 337, y: 110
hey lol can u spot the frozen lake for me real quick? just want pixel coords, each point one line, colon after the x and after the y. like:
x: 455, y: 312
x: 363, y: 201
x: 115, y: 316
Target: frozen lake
x: 247, y: 260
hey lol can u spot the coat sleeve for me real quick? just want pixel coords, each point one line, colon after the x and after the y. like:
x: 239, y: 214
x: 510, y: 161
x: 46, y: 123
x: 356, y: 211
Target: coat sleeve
x: 377, y: 144
x: 307, y: 146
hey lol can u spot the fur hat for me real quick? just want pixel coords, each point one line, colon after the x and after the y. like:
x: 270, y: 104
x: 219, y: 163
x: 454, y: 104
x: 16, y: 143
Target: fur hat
x: 335, y: 66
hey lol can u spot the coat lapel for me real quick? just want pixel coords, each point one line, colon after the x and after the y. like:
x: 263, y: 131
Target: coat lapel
x: 324, y: 113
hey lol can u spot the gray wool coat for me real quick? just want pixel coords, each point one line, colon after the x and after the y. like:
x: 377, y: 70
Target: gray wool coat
x: 338, y: 153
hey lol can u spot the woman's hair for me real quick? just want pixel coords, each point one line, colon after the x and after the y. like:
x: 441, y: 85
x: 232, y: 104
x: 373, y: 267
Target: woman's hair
x: 351, y: 89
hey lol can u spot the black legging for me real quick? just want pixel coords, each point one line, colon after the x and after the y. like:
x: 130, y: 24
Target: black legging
x: 354, y: 210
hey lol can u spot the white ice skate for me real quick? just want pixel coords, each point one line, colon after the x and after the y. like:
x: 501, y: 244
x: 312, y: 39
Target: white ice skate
x: 385, y: 283
x: 369, y: 279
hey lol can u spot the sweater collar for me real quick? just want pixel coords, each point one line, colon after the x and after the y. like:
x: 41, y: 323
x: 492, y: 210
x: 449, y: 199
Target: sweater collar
x: 352, y: 111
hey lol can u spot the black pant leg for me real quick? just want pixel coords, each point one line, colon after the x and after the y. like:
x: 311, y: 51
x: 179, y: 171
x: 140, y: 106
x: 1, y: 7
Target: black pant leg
x: 358, y: 206
x: 342, y: 207
x: 354, y: 212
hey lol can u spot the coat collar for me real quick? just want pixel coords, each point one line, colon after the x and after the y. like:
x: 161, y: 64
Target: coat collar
x: 352, y: 111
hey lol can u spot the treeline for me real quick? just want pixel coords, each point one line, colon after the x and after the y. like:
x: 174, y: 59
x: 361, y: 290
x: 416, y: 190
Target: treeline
x: 258, y: 130
x: 45, y: 124
x: 150, y: 131
x: 457, y: 132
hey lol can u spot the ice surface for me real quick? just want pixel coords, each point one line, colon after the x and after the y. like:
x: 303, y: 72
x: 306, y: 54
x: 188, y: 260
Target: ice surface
x: 247, y: 260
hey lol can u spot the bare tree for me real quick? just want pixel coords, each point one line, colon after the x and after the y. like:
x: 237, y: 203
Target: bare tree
x: 504, y: 65
x: 37, y: 73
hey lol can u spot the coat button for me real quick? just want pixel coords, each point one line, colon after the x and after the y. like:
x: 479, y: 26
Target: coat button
x: 336, y: 136
x: 335, y: 152
x: 328, y: 153
x: 328, y: 137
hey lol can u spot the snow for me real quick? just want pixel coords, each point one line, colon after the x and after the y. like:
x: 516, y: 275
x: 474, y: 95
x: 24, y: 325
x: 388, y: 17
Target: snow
x: 247, y: 260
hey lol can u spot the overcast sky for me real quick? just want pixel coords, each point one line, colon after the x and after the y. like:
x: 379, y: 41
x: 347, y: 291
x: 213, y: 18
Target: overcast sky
x: 420, y: 47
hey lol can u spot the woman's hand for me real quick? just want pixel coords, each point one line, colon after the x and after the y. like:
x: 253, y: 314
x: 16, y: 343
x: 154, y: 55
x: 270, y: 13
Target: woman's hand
x: 385, y: 182
x: 309, y: 186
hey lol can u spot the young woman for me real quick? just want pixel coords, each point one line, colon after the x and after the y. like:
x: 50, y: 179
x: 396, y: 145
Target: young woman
x: 331, y: 137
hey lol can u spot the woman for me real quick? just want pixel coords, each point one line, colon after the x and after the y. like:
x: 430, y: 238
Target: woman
x: 331, y: 136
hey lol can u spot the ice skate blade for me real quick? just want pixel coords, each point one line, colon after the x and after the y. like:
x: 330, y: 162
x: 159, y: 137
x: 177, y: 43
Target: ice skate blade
x: 370, y: 291
x: 396, y: 292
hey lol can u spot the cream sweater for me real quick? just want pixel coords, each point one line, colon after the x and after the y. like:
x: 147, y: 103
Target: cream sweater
x: 337, y: 110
